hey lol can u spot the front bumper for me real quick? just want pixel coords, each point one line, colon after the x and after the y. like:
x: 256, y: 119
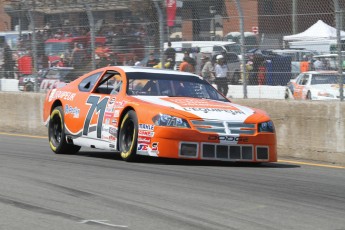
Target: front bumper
x: 192, y: 144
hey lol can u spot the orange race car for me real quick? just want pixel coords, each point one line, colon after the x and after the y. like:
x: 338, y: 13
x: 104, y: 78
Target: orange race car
x: 158, y: 113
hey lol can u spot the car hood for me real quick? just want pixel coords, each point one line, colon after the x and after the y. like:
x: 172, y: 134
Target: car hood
x: 201, y: 108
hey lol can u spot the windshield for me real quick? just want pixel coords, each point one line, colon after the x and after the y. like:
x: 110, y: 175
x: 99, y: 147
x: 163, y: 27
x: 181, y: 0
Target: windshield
x: 324, y: 79
x: 234, y: 48
x: 56, y: 48
x: 155, y: 84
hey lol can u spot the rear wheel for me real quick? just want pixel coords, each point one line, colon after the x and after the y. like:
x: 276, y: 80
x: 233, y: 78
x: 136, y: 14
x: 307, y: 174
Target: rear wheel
x: 29, y: 87
x: 57, y: 136
x: 128, y: 136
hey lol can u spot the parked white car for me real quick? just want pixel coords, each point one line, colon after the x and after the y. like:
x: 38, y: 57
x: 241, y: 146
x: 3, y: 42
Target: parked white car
x: 314, y: 85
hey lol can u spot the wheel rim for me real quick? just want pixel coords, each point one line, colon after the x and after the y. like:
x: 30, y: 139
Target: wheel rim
x: 127, y: 137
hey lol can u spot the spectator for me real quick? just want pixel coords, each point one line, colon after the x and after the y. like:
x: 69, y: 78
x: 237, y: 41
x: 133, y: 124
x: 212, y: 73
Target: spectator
x: 185, y: 66
x: 62, y: 61
x: 318, y: 65
x: 253, y: 77
x: 249, y: 68
x: 152, y: 60
x: 170, y: 53
x: 221, y: 70
x: 261, y: 73
x: 8, y: 62
x: 104, y: 61
x: 77, y: 56
x: 207, y: 71
x: 42, y: 62
x: 167, y: 64
x: 132, y: 61
x: 190, y: 60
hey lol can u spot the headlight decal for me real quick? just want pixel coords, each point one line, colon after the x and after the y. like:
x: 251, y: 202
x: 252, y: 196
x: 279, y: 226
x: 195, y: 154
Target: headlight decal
x: 170, y: 121
x: 266, y: 127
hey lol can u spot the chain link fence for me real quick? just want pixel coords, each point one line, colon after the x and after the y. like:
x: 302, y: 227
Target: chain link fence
x: 263, y: 42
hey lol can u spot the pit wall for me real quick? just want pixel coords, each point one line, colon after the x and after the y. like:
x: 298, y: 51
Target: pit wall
x: 305, y: 129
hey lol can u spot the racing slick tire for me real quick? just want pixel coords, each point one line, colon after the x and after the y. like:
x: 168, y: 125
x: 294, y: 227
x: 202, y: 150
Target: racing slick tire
x: 128, y: 136
x: 29, y: 87
x: 287, y: 94
x: 309, y: 95
x: 56, y: 134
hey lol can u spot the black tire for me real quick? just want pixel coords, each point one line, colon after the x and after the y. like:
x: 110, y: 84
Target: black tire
x: 29, y: 87
x: 287, y: 94
x: 309, y: 95
x: 56, y: 134
x: 128, y: 136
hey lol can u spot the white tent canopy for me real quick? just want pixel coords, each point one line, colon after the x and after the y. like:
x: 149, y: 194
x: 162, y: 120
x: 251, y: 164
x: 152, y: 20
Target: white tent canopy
x: 319, y: 30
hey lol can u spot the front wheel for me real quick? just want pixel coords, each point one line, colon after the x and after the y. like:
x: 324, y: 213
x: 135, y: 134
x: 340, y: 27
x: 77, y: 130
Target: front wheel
x: 128, y: 136
x: 309, y: 95
x: 29, y: 87
x: 56, y: 134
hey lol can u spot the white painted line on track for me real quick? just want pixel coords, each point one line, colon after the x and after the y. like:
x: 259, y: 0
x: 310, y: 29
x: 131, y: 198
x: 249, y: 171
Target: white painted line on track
x: 102, y: 222
x: 22, y: 135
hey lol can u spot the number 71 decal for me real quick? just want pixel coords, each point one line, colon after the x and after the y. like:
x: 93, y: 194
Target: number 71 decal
x: 98, y: 107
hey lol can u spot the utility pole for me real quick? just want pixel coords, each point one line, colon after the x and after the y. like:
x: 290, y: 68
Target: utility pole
x: 294, y: 17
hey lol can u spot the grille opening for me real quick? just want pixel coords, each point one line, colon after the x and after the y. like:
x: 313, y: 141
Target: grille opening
x: 209, y: 151
x: 262, y: 153
x: 189, y: 150
x: 247, y: 152
x: 222, y: 151
x: 235, y: 152
x: 227, y: 152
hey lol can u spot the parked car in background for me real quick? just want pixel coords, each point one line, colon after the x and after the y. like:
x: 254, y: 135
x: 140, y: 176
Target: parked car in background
x: 301, y: 60
x: 47, y: 79
x: 328, y: 61
x: 314, y: 85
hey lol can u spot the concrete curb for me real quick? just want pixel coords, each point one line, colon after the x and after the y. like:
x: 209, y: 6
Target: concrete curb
x: 308, y: 130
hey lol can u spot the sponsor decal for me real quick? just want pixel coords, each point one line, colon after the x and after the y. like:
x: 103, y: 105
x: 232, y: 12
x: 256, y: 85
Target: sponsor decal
x: 112, y: 100
x: 27, y: 79
x: 206, y: 110
x: 72, y: 110
x: 57, y: 94
x: 113, y: 131
x: 104, y: 137
x: 142, y: 147
x: 144, y: 139
x: 109, y: 109
x: 116, y: 113
x: 108, y: 114
x: 154, y: 146
x: 145, y: 133
x: 146, y: 127
x: 114, y: 122
x: 197, y: 103
x: 119, y: 103
x: 112, y: 138
x: 227, y: 138
x: 153, y: 151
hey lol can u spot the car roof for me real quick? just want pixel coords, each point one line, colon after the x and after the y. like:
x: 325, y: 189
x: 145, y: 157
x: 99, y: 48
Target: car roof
x: 321, y: 72
x: 326, y: 55
x: 61, y: 68
x: 141, y: 69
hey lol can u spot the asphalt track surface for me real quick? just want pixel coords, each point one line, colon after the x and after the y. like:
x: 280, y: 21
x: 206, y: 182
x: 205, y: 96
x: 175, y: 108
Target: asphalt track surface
x: 97, y: 190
